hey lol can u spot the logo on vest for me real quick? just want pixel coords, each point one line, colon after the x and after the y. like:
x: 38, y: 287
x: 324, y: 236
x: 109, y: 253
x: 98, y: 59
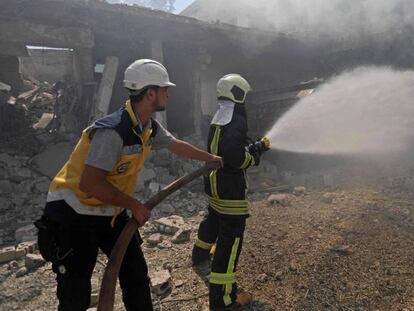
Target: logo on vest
x: 122, y: 168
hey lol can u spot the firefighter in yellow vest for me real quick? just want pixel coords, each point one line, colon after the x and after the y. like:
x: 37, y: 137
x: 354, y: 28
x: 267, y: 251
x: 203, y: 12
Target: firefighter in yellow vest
x: 88, y: 198
x: 226, y: 190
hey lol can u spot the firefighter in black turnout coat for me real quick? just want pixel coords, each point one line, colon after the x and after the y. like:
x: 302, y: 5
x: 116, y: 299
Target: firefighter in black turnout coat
x: 226, y: 188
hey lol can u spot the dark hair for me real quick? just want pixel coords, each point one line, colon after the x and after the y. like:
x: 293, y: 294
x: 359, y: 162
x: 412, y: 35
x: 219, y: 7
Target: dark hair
x: 136, y: 98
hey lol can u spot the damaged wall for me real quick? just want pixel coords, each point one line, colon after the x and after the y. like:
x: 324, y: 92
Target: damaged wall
x: 50, y: 65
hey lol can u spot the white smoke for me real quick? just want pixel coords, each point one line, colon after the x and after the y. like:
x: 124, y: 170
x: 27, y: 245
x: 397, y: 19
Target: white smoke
x: 364, y: 111
x: 342, y: 19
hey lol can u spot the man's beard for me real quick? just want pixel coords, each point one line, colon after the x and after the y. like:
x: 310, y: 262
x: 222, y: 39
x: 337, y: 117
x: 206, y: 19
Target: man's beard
x: 158, y: 107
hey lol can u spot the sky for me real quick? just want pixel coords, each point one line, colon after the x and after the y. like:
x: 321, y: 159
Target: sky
x: 181, y: 5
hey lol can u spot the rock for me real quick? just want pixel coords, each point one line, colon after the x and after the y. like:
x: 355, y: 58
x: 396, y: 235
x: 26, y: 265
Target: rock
x: 182, y: 236
x: 52, y: 159
x: 154, y: 239
x: 173, y: 222
x: 32, y: 261
x: 145, y: 176
x: 6, y: 187
x: 279, y: 275
x: 21, y: 272
x: 20, y: 174
x: 262, y: 278
x: 94, y: 299
x: 178, y: 283
x: 7, y: 254
x: 26, y: 233
x: 292, y: 266
x: 327, y: 198
x: 341, y: 249
x: 13, y: 265
x: 28, y: 246
x: 165, y: 244
x: 299, y: 190
x: 154, y: 187
x: 42, y: 185
x: 282, y: 199
x: 160, y: 282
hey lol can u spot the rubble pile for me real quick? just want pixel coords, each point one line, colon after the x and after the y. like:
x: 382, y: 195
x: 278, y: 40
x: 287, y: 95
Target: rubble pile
x: 40, y: 114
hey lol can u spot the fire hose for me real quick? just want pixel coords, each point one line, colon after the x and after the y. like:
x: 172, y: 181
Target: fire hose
x: 107, y: 292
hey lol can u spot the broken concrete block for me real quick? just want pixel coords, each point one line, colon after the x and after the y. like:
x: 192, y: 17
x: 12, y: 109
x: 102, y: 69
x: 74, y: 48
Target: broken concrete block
x: 299, y: 190
x: 26, y: 233
x: 182, y: 236
x: 20, y: 252
x: 21, y: 272
x: 29, y: 246
x: 165, y: 244
x: 154, y: 239
x: 7, y: 254
x: 154, y: 187
x: 282, y: 199
x: 32, y: 261
x: 44, y: 121
x: 5, y: 87
x: 160, y: 282
x: 145, y: 175
x: 173, y: 222
x: 327, y: 198
x: 52, y: 159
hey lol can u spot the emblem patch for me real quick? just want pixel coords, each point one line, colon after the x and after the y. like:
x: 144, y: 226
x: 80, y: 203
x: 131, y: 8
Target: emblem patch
x: 122, y: 168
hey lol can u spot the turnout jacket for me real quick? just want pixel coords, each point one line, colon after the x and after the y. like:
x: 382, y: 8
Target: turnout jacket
x: 227, y: 187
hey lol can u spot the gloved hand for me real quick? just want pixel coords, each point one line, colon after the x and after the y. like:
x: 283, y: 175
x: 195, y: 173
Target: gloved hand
x: 257, y: 148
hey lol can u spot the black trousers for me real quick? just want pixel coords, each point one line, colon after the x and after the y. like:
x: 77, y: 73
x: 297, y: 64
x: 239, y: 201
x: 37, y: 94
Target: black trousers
x: 227, y: 232
x: 79, y: 237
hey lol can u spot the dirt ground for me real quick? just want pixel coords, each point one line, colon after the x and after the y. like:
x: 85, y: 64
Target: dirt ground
x: 356, y: 253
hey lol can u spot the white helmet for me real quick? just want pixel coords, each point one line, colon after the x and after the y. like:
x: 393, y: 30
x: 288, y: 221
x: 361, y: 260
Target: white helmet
x: 145, y: 72
x: 234, y: 87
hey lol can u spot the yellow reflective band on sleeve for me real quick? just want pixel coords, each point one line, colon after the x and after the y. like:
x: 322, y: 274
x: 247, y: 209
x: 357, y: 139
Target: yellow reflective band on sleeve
x: 247, y: 159
x: 213, y: 174
x: 230, y: 270
x: 201, y: 244
x: 229, y: 207
x: 222, y: 278
x: 213, y: 184
x: 215, y: 141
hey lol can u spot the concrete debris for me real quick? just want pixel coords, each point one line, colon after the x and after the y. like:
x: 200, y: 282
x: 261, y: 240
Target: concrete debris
x: 341, y: 249
x: 21, y: 272
x: 26, y: 233
x: 282, y: 199
x: 52, y: 159
x: 13, y: 265
x: 279, y: 275
x: 165, y: 244
x: 262, y: 278
x: 170, y: 225
x: 327, y: 198
x: 32, y: 261
x: 154, y: 239
x: 44, y: 121
x: 181, y: 236
x: 299, y: 191
x: 5, y: 87
x: 7, y: 254
x: 160, y: 282
x: 154, y: 187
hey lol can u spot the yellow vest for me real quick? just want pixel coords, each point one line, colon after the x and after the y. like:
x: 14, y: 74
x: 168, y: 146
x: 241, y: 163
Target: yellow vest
x: 124, y: 173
